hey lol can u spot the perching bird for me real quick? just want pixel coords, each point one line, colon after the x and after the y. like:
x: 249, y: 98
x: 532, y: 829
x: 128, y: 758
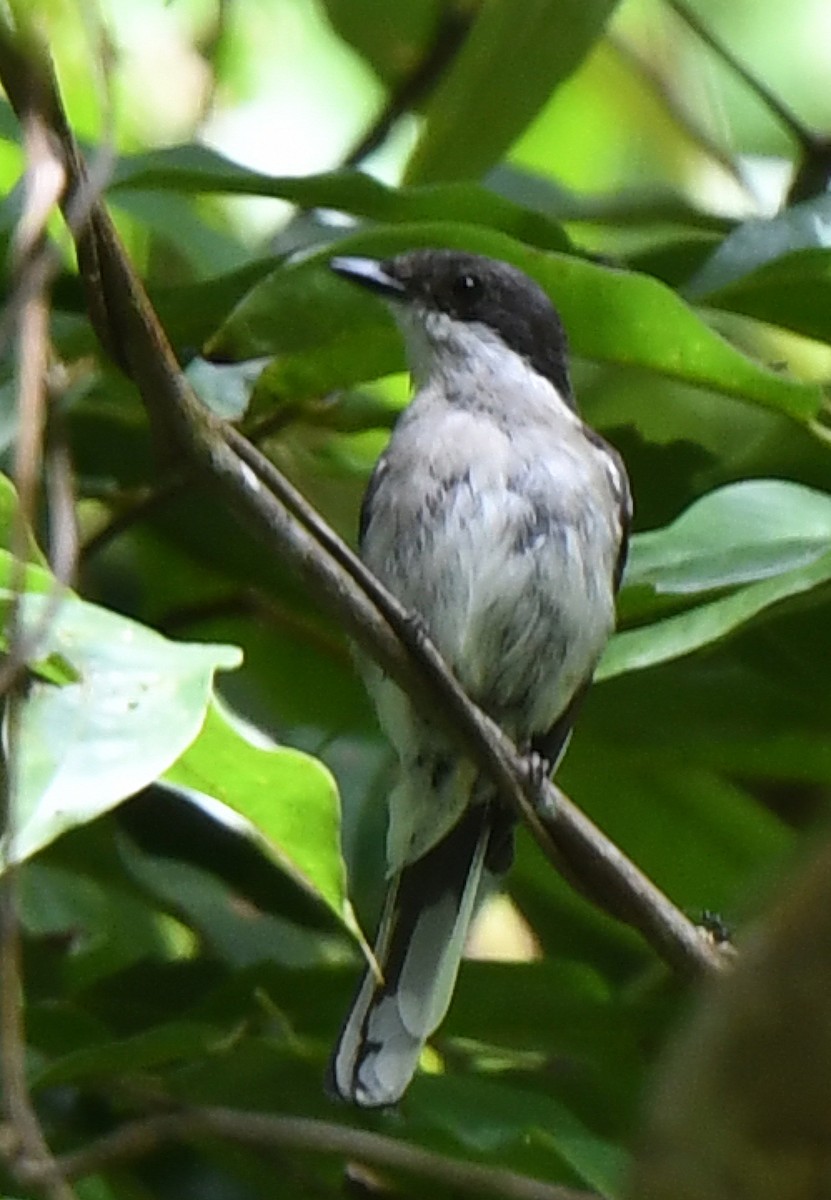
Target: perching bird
x: 501, y: 519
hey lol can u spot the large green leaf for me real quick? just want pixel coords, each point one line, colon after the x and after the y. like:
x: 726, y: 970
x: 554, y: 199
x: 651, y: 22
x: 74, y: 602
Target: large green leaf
x: 737, y: 534
x: 635, y: 649
x: 512, y: 60
x: 139, y: 701
x: 288, y: 802
x: 327, y: 334
x: 198, y: 169
x: 771, y: 535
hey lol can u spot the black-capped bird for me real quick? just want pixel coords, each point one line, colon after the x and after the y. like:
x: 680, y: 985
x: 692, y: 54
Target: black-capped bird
x: 501, y: 519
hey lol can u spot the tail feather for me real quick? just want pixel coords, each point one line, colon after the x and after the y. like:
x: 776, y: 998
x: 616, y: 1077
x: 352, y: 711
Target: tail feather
x: 426, y: 917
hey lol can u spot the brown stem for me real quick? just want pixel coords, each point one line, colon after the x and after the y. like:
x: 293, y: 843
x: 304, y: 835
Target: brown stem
x: 297, y: 1133
x: 293, y: 531
x: 24, y: 1145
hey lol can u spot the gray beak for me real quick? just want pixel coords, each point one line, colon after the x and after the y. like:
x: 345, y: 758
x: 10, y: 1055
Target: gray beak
x: 369, y: 273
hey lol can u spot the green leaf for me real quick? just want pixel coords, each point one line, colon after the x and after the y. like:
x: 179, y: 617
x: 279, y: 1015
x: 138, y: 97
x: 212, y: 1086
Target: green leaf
x: 487, y: 1116
x: 767, y: 533
x: 328, y: 334
x: 52, y: 668
x: 735, y: 535
x: 55, y: 669
x: 635, y: 649
x: 288, y: 801
x: 757, y: 242
x: 793, y: 292
x: 198, y: 169
x: 9, y: 506
x: 512, y: 60
x: 169, y: 1043
x: 393, y: 43
x: 84, y: 747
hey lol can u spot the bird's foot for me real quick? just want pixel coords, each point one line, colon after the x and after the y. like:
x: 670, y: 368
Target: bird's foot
x: 538, y: 769
x: 414, y: 629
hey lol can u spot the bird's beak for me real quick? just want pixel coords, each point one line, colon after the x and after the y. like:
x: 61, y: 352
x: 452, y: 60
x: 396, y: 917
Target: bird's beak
x: 369, y: 273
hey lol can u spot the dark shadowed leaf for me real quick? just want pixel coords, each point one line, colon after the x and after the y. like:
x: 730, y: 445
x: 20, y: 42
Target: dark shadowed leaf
x: 793, y: 291
x: 750, y: 246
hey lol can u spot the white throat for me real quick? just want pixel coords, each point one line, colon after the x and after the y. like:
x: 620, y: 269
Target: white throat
x: 467, y: 358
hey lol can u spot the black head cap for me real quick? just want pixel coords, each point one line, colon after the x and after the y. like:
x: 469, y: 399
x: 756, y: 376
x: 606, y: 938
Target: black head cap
x: 470, y: 287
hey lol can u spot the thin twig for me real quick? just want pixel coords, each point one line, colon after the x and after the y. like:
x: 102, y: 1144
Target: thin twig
x: 657, y: 82
x: 417, y: 85
x: 784, y: 115
x: 296, y: 1133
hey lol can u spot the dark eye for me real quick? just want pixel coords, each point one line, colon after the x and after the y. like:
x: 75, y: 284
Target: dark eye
x: 467, y: 287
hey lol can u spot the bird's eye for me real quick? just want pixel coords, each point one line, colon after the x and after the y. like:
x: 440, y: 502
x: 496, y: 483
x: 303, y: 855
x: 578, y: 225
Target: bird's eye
x: 467, y: 287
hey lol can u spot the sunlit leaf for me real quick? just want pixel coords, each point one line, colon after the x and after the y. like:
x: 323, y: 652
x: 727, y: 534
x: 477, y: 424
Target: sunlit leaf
x: 139, y: 702
x: 287, y: 802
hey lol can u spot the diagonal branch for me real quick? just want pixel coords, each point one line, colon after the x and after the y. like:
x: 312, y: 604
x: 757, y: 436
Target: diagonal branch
x: 291, y: 530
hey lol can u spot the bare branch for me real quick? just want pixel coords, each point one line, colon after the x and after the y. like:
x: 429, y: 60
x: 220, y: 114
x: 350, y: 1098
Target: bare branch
x: 294, y: 532
x: 296, y: 1133
x: 25, y: 1147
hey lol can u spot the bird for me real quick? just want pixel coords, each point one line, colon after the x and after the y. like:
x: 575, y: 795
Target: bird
x: 500, y: 520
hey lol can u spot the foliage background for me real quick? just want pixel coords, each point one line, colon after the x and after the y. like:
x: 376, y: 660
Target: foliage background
x: 175, y: 953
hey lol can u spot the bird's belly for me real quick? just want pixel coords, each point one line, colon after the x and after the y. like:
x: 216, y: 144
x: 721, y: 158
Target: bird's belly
x: 515, y: 594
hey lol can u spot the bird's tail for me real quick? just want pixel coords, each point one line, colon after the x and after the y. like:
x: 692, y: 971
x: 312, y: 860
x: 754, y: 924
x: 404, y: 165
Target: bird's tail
x: 426, y: 917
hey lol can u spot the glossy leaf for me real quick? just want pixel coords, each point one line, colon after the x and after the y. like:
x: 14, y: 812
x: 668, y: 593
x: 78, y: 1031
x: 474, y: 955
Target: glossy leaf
x: 287, y: 802
x: 635, y: 649
x: 327, y: 334
x: 737, y: 534
x: 770, y: 534
x: 139, y: 702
